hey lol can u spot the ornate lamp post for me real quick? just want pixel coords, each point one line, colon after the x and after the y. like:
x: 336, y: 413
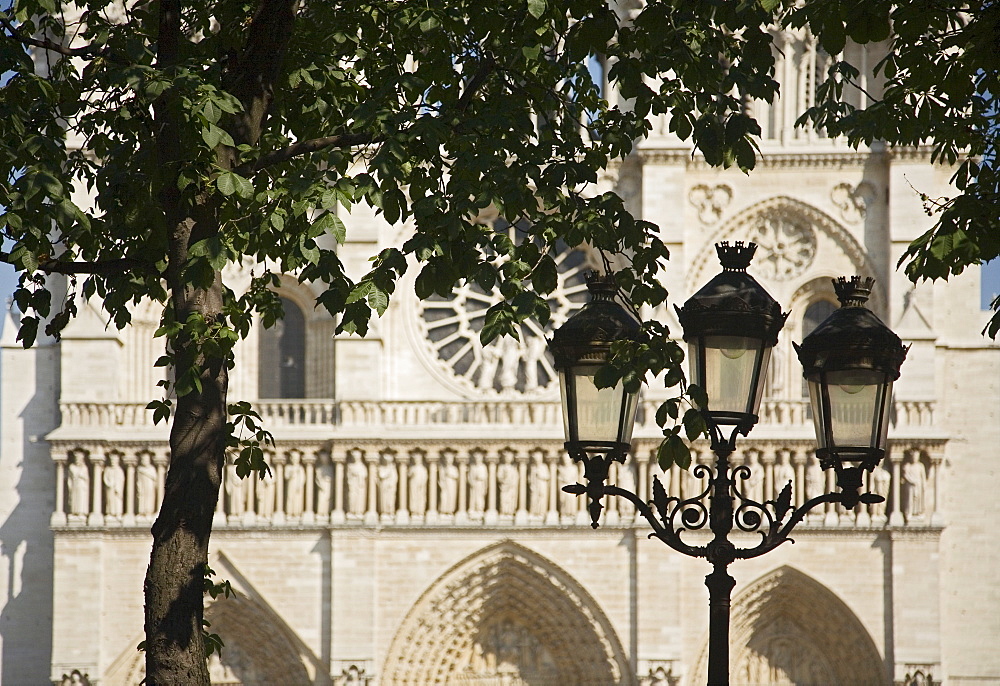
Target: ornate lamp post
x: 730, y: 326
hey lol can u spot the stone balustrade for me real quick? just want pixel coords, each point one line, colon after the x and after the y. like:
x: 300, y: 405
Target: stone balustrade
x: 522, y: 414
x: 466, y: 483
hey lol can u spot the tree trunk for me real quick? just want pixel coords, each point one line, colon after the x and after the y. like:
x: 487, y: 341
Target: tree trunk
x: 174, y: 587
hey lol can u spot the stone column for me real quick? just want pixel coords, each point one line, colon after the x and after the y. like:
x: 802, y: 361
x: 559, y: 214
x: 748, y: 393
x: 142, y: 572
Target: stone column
x: 309, y: 461
x: 799, y: 487
x: 130, y: 462
x: 371, y: 514
x: 338, y: 458
x: 402, y: 491
x: 767, y: 461
x: 96, y: 516
x: 896, y: 513
x: 933, y: 478
x: 491, y: 488
x: 59, y: 514
x: 248, y: 490
x: 279, y: 489
x: 462, y: 506
x: 432, y: 487
x: 160, y: 459
x: 582, y: 514
x: 521, y: 516
x: 552, y: 516
x: 832, y: 517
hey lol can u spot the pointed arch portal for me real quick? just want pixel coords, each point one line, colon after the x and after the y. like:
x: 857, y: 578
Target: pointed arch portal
x: 506, y: 615
x: 790, y: 630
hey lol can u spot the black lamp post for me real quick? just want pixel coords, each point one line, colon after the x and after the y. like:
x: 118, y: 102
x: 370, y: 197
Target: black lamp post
x: 730, y: 326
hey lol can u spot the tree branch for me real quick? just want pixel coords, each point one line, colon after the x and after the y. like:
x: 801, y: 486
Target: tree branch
x: 106, y: 268
x: 346, y: 140
x: 45, y: 44
x: 476, y: 82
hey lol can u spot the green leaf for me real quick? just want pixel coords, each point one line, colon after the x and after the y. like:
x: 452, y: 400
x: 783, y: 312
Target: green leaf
x: 673, y: 451
x: 536, y: 8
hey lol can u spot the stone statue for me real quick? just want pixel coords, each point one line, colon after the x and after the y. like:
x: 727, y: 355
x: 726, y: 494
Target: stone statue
x: 510, y: 363
x: 784, y: 472
x: 418, y: 486
x: 323, y: 479
x: 448, y: 482
x: 388, y: 480
x: 538, y: 482
x: 535, y: 353
x: 568, y: 474
x: 881, y: 480
x: 79, y: 485
x: 234, y: 490
x: 357, y: 480
x: 914, y: 486
x: 815, y: 479
x: 507, y: 483
x: 626, y: 480
x: 265, y: 495
x: 114, y: 486
x: 145, y: 485
x: 295, y: 480
x: 753, y: 486
x: 478, y: 478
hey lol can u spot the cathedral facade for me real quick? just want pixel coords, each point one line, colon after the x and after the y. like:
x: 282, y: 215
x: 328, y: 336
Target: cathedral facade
x: 413, y: 530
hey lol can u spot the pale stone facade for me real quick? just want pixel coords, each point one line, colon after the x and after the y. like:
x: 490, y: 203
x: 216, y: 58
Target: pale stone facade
x: 413, y: 531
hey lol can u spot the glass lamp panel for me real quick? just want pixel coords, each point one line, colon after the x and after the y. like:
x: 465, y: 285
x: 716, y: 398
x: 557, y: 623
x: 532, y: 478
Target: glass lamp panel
x: 629, y: 407
x: 883, y: 428
x: 819, y: 420
x: 568, y: 402
x: 598, y: 411
x: 730, y: 363
x: 854, y: 406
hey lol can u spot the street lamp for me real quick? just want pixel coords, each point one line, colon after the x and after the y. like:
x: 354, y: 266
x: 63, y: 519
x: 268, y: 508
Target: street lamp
x: 731, y: 325
x: 597, y: 421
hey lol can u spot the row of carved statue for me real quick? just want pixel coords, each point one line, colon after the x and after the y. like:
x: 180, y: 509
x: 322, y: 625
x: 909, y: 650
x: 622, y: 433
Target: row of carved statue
x: 445, y: 485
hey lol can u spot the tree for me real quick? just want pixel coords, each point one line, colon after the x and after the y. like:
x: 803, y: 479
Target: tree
x: 941, y: 88
x: 206, y: 133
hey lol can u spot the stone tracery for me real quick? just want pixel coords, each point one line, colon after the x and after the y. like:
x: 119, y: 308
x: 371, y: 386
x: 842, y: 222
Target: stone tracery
x: 506, y: 612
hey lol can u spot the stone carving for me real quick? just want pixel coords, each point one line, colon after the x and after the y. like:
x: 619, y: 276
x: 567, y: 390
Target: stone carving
x: 503, y: 615
x: 658, y: 673
x: 79, y: 485
x: 880, y: 479
x: 323, y: 479
x: 568, y: 474
x: 626, y: 480
x: 774, y: 381
x: 815, y: 479
x: 508, y: 653
x: 357, y: 480
x: 753, y: 486
x: 710, y: 201
x: 539, y: 483
x: 852, y: 201
x: 352, y: 674
x: 388, y: 480
x: 478, y: 478
x: 265, y: 495
x: 914, y: 478
x: 786, y: 245
x: 448, y: 483
x: 418, y: 485
x: 784, y: 472
x: 234, y: 490
x: 75, y: 678
x: 295, y: 480
x: 507, y: 483
x: 145, y: 485
x: 450, y: 328
x: 114, y: 486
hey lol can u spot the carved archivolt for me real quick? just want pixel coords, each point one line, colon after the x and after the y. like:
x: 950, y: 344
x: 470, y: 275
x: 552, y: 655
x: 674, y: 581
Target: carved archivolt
x: 789, y: 234
x: 788, y: 628
x: 506, y: 615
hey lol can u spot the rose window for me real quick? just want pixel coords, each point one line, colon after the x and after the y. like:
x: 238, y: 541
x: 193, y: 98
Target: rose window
x: 786, y: 246
x: 451, y: 326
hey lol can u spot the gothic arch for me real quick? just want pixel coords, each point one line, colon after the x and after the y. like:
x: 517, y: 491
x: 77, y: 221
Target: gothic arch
x: 260, y: 648
x: 506, y: 612
x: 815, y: 245
x: 787, y: 628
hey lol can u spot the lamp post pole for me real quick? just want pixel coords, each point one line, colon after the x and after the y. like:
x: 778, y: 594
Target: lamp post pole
x: 731, y: 324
